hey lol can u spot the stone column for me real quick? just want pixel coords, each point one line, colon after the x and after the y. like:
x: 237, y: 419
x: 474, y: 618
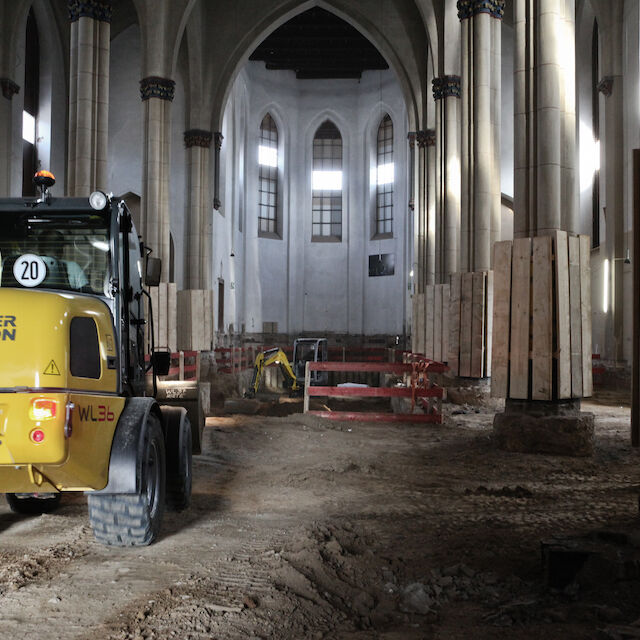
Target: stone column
x: 9, y: 89
x: 157, y: 94
x: 198, y: 143
x: 548, y: 360
x: 88, y: 95
x: 446, y: 93
x: 612, y: 87
x: 545, y: 146
x: 480, y: 105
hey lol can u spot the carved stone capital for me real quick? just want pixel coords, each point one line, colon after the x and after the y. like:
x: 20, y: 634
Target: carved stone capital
x: 426, y: 138
x: 9, y: 88
x: 469, y: 8
x: 605, y: 86
x: 217, y: 140
x: 197, y: 138
x: 154, y: 87
x: 96, y: 9
x: 446, y: 87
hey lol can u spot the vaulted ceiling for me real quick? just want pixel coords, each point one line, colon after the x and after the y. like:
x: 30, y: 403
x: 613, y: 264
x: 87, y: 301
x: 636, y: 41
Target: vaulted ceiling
x: 319, y: 44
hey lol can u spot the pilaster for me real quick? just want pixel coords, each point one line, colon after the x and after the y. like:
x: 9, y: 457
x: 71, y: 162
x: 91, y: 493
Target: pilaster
x: 157, y: 94
x: 198, y: 143
x: 446, y: 93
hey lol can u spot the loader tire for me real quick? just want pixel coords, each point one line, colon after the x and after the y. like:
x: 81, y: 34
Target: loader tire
x: 179, y: 468
x: 126, y: 520
x: 30, y: 504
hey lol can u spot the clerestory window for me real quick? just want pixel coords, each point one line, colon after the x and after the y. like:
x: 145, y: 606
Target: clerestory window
x: 268, y: 179
x: 384, y: 178
x: 327, y: 183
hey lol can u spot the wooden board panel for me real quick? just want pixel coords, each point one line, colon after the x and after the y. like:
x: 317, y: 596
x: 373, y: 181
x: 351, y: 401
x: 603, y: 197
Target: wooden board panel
x: 466, y: 321
x: 172, y: 319
x: 542, y: 320
x: 184, y: 320
x: 446, y: 293
x: 153, y: 293
x: 197, y: 313
x: 418, y: 337
x: 429, y: 295
x: 437, y: 323
x: 501, y: 318
x: 454, y: 322
x: 563, y: 325
x: 585, y: 308
x: 575, y: 317
x: 489, y: 324
x: 207, y: 300
x: 520, y: 317
x: 477, y: 323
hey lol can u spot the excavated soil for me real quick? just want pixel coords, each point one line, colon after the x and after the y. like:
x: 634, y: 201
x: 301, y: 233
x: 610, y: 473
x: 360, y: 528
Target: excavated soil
x: 304, y: 528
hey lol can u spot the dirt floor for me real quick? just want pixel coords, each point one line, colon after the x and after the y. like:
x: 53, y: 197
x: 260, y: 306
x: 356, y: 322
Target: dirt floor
x: 303, y: 528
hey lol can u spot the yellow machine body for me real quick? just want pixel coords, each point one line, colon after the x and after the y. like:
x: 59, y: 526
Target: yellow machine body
x: 55, y: 427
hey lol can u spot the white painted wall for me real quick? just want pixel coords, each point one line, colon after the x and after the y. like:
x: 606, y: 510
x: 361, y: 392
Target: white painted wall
x: 309, y: 286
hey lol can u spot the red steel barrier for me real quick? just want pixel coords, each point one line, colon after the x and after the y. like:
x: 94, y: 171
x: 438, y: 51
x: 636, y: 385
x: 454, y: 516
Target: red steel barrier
x: 419, y: 389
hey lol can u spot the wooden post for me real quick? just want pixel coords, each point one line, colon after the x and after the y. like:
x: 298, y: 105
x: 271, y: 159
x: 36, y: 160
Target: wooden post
x: 307, y: 382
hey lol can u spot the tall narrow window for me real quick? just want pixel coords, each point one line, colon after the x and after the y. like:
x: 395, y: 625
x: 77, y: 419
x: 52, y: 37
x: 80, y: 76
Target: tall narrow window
x: 385, y: 176
x: 327, y: 183
x: 31, y: 99
x: 268, y: 161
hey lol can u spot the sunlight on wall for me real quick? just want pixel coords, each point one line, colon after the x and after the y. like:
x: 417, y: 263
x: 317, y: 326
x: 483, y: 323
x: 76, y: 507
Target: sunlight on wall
x: 589, y: 156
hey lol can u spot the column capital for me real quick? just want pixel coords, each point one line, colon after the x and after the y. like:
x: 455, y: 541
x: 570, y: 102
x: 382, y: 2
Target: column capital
x: 470, y: 8
x: 411, y: 137
x: 155, y: 87
x: 9, y: 88
x: 197, y: 138
x: 217, y: 139
x: 426, y: 138
x: 446, y: 87
x: 96, y: 9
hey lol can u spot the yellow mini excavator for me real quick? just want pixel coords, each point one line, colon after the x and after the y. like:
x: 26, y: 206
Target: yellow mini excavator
x: 304, y: 350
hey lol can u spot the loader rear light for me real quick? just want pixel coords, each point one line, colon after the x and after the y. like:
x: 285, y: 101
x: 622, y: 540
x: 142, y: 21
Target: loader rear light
x: 37, y: 435
x: 43, y: 409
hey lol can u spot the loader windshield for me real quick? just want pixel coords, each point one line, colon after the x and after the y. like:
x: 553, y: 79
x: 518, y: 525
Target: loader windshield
x: 69, y: 253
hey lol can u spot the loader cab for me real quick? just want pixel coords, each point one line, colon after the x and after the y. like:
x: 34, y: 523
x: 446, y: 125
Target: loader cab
x: 81, y: 247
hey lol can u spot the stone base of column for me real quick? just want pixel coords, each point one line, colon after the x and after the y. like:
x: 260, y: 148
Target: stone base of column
x: 556, y: 428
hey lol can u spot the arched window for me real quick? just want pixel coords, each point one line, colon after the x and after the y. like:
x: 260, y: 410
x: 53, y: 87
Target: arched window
x: 384, y: 178
x: 31, y: 100
x: 327, y: 183
x: 268, y: 187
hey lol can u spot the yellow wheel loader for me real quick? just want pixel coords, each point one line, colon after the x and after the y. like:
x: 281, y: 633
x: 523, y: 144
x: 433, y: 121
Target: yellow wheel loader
x: 74, y: 414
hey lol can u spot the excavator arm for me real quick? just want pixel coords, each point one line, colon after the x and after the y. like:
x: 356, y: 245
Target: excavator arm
x: 266, y: 358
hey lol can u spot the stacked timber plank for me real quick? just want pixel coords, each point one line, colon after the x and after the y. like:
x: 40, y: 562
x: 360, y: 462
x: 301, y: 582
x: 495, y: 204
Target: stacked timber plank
x: 164, y: 303
x: 470, y: 324
x: 436, y: 322
x: 195, y: 320
x: 542, y: 318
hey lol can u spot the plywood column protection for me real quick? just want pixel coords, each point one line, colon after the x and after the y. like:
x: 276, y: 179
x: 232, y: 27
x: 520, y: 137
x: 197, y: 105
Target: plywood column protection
x: 480, y: 149
x: 88, y: 95
x: 446, y: 93
x: 157, y: 94
x: 198, y: 143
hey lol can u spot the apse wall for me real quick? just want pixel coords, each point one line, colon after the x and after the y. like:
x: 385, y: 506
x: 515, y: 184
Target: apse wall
x: 289, y: 282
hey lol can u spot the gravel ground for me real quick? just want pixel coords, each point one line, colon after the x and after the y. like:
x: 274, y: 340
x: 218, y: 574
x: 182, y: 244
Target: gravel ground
x: 302, y: 528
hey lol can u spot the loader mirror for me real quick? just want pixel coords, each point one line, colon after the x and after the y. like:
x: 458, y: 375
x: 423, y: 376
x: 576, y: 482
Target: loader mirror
x: 152, y: 273
x: 161, y: 361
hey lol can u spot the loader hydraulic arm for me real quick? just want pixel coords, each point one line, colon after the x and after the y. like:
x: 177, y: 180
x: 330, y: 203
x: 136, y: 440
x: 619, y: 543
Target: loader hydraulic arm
x: 266, y: 358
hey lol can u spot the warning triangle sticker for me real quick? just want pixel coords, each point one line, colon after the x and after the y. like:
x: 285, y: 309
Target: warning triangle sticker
x: 52, y: 369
